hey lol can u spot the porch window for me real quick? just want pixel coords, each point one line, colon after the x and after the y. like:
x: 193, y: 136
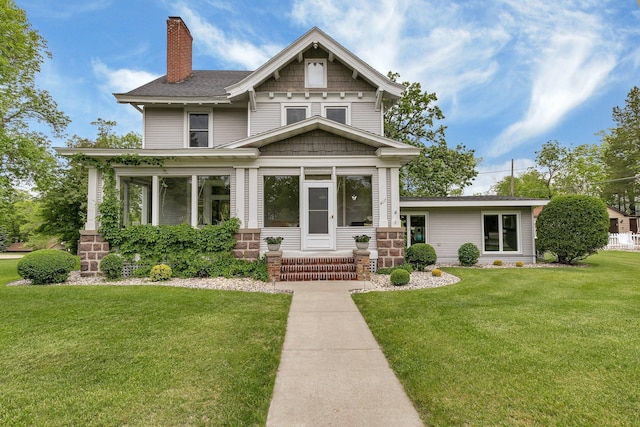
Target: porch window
x: 175, y: 200
x: 500, y: 232
x: 198, y: 130
x: 135, y: 193
x: 355, y: 201
x: 214, y: 198
x: 281, y: 201
x: 315, y: 73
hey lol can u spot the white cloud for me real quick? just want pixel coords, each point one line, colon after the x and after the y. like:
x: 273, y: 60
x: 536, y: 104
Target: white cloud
x: 218, y: 44
x: 120, y: 80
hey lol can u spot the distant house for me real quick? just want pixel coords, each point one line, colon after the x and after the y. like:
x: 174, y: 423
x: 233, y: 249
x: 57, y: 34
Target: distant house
x: 619, y: 222
x: 294, y: 149
x: 19, y: 247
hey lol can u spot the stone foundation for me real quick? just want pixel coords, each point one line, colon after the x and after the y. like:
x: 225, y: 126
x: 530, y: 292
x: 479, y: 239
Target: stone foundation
x: 361, y: 259
x: 391, y: 246
x: 274, y: 263
x: 92, y: 248
x: 247, y: 244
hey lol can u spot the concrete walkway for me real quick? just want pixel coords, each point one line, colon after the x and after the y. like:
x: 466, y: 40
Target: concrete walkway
x: 332, y: 371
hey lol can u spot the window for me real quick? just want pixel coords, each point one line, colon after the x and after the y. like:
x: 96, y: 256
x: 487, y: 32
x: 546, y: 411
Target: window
x: 198, y: 129
x: 315, y: 73
x: 281, y: 201
x: 354, y: 201
x: 175, y: 200
x: 500, y: 232
x: 416, y: 228
x: 214, y: 198
x: 294, y: 113
x: 338, y: 113
x: 135, y: 193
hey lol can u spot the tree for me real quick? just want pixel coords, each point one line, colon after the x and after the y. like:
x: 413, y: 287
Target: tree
x: 621, y: 155
x: 573, y: 227
x: 65, y: 201
x: 530, y: 184
x: 438, y: 170
x: 25, y: 157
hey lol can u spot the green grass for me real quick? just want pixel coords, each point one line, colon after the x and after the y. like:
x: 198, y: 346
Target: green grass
x: 519, y: 347
x: 136, y: 355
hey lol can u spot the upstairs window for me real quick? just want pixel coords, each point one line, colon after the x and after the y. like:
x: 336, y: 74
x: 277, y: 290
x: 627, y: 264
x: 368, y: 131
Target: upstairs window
x: 294, y: 113
x: 315, y: 73
x: 337, y: 113
x: 198, y: 130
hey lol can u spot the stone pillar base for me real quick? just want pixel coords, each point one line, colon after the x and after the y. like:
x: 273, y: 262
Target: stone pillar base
x: 247, y: 244
x: 361, y: 258
x: 92, y: 249
x: 274, y: 261
x: 391, y: 246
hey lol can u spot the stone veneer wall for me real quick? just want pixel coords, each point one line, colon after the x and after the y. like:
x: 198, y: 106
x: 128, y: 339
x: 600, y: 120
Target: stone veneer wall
x: 363, y: 267
x: 391, y: 246
x: 92, y: 249
x: 247, y: 244
x: 274, y: 262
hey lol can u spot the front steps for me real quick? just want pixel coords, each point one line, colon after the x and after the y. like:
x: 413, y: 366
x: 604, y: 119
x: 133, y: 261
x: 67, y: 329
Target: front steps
x: 317, y: 268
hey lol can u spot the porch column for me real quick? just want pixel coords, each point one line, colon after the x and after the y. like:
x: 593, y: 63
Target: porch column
x: 155, y: 200
x: 194, y: 200
x: 92, y: 200
x: 383, y: 198
x: 240, y: 197
x: 253, y: 198
x: 395, y: 197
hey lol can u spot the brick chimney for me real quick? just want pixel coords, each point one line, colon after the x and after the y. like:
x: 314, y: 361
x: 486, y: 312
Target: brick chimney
x: 179, y: 42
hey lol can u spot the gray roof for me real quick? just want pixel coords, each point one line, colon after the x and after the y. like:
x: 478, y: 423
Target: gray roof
x: 202, y: 83
x: 488, y: 198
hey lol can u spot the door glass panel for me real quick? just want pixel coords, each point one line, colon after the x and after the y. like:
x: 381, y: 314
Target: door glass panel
x: 418, y: 228
x: 318, y: 210
x: 509, y: 233
x: 491, y: 231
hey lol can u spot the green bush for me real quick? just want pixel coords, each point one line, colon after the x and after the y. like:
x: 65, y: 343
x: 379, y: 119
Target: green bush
x: 399, y: 277
x: 468, y: 254
x: 420, y: 255
x: 498, y: 263
x: 111, y: 266
x: 46, y: 266
x: 436, y: 272
x: 573, y: 227
x: 160, y: 272
x: 389, y: 270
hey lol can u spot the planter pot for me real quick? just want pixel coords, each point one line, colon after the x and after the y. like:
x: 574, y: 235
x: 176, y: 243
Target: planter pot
x: 273, y: 247
x: 362, y: 245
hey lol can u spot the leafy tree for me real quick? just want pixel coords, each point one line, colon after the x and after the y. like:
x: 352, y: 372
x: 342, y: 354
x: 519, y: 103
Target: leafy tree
x: 65, y: 201
x: 24, y: 157
x: 573, y: 227
x: 530, y: 183
x: 4, y: 244
x: 621, y: 155
x: 438, y: 170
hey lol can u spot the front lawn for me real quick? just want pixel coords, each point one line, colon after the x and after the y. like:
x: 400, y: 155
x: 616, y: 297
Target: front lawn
x: 552, y: 346
x: 136, y: 355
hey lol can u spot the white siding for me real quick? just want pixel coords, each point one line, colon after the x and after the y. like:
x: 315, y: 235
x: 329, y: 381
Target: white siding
x: 316, y: 109
x: 266, y: 117
x: 163, y: 128
x: 229, y: 125
x: 364, y: 116
x: 449, y: 228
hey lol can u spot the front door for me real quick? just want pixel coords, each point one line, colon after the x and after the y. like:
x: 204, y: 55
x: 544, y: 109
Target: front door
x: 318, y: 223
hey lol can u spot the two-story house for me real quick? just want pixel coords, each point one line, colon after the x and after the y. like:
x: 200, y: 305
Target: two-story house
x: 294, y: 149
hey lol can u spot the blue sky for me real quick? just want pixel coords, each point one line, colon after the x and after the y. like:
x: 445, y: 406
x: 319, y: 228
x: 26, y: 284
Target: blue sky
x: 509, y: 74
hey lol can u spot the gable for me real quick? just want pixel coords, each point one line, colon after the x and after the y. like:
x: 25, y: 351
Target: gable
x: 317, y: 143
x: 339, y: 77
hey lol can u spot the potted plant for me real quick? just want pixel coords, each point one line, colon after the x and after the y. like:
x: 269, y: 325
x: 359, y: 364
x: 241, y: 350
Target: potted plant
x: 273, y: 243
x: 362, y: 241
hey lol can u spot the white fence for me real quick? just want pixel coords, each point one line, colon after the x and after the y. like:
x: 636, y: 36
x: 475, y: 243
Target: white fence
x: 629, y: 241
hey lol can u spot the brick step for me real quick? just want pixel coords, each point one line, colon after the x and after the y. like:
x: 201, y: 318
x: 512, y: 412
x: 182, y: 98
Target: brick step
x: 318, y: 260
x: 299, y: 277
x: 319, y: 268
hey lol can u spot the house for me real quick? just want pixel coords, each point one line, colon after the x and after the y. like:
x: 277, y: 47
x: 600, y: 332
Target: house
x: 294, y: 149
x: 620, y: 222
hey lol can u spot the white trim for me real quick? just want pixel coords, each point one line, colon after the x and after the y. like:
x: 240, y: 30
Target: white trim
x: 240, y: 197
x: 92, y: 200
x: 324, y: 72
x: 336, y: 105
x: 155, y: 200
x: 253, y: 198
x: 500, y: 232
x: 194, y: 200
x: 285, y: 106
x: 471, y: 203
x: 395, y: 197
x: 425, y: 214
x: 383, y: 198
x: 197, y: 110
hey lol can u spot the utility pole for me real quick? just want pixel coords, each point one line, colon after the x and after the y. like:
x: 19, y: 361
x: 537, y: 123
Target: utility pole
x: 512, y: 173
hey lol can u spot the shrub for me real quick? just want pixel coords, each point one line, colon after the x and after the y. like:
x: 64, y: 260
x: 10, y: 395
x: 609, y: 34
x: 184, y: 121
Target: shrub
x: 519, y: 264
x: 436, y: 272
x: 160, y: 272
x: 46, y: 266
x: 498, y: 263
x: 573, y: 227
x: 420, y: 255
x: 111, y: 266
x: 468, y: 254
x: 399, y: 277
